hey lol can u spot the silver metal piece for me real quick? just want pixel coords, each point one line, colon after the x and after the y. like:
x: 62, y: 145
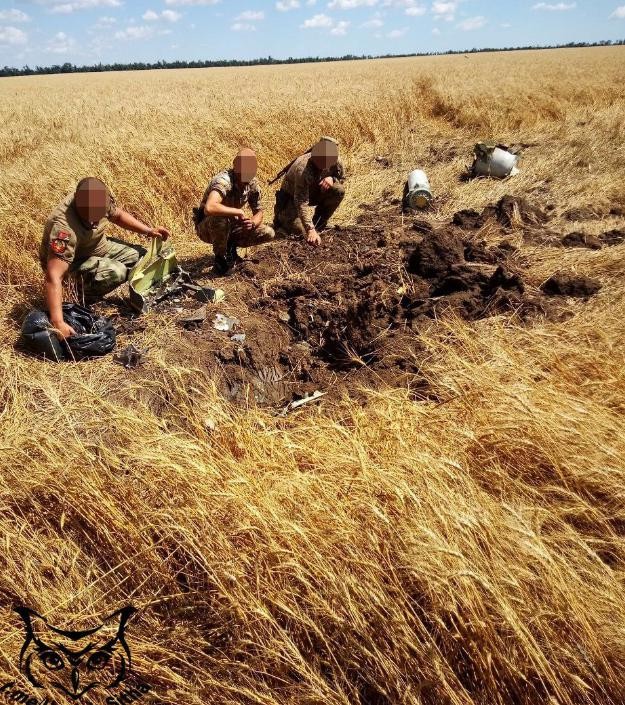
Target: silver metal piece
x: 419, y: 190
x: 494, y: 162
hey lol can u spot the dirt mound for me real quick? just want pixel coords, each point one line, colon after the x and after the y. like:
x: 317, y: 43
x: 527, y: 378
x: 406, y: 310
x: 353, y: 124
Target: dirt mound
x: 569, y: 284
x: 350, y: 312
x: 613, y: 237
x: 508, y: 212
x: 511, y: 211
x: 594, y: 242
x: 581, y: 240
x: 583, y: 213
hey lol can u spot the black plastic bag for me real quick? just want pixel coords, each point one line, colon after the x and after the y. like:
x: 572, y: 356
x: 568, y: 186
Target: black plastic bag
x: 39, y: 338
x: 95, y: 335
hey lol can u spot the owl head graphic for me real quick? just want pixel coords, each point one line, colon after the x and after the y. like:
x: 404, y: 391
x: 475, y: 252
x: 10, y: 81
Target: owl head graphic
x: 75, y: 662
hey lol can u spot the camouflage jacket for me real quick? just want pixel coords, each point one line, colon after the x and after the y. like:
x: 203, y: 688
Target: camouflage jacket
x: 301, y: 182
x: 233, y: 195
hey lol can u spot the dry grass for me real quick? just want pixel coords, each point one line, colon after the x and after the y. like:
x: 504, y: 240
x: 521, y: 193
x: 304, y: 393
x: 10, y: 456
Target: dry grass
x: 465, y: 552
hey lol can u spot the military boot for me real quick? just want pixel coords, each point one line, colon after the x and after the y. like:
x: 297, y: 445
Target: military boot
x: 220, y: 265
x: 232, y: 256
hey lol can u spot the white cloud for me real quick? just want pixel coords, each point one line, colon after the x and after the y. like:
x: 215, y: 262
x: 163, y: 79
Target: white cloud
x: 243, y: 27
x: 321, y: 21
x: 411, y: 7
x: 141, y: 32
x: 472, y: 23
x: 396, y: 33
x: 106, y: 22
x: 66, y: 8
x: 192, y: 2
x: 286, y: 5
x: 339, y: 29
x: 374, y: 23
x: 619, y: 13
x: 12, y: 36
x: 445, y: 10
x: 557, y: 7
x: 436, y: 31
x: 167, y: 15
x: 60, y: 44
x: 13, y: 16
x: 251, y: 16
x: 317, y: 22
x: 350, y: 4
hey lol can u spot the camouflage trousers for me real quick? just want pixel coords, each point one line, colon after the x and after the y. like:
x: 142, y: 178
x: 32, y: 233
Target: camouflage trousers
x: 100, y: 275
x: 219, y: 232
x: 286, y: 217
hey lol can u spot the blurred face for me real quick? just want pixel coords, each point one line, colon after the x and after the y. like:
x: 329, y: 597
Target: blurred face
x: 245, y: 166
x: 325, y: 155
x: 91, y: 202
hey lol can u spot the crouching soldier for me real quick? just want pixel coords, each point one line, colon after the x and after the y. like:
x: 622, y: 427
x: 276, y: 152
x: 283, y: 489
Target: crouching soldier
x: 221, y: 221
x: 74, y: 241
x: 311, y: 191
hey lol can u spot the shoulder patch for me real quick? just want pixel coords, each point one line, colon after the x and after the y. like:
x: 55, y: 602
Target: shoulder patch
x: 58, y: 246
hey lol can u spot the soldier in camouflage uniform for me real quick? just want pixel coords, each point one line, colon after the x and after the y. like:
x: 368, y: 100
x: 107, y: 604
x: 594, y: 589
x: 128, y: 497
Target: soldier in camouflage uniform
x: 74, y: 241
x: 221, y: 221
x: 312, y: 181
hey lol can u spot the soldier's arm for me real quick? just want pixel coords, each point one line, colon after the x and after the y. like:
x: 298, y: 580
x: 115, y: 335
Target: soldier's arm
x: 214, y: 206
x: 257, y: 218
x: 56, y: 269
x: 129, y: 222
x: 338, y: 173
x: 255, y: 201
x: 301, y: 198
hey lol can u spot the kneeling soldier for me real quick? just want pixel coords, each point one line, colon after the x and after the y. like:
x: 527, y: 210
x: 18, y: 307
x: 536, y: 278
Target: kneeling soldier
x: 313, y: 180
x: 74, y: 242
x: 221, y: 221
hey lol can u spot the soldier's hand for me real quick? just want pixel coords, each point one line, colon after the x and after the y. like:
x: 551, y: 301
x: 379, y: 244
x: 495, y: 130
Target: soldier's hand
x: 326, y: 184
x: 248, y: 224
x: 159, y: 232
x: 313, y: 238
x: 63, y: 330
x: 241, y: 214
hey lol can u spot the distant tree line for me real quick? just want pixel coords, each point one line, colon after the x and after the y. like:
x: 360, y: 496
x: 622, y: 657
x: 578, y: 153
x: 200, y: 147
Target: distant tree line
x: 270, y: 61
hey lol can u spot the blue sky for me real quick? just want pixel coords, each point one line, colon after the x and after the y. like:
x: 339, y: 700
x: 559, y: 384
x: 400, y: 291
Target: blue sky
x: 42, y: 32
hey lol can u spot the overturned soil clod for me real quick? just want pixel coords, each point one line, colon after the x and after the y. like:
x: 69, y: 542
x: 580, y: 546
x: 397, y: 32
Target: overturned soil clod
x: 613, y: 237
x: 581, y: 240
x: 594, y: 242
x: 569, y: 284
x: 507, y: 212
x: 583, y: 213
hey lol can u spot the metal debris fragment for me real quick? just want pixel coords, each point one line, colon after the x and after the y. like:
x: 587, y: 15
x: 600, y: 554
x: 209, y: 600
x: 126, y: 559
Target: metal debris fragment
x: 315, y: 396
x: 225, y: 323
x: 130, y: 357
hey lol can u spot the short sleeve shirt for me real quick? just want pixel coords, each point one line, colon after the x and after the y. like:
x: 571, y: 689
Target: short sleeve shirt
x: 233, y: 195
x: 66, y: 237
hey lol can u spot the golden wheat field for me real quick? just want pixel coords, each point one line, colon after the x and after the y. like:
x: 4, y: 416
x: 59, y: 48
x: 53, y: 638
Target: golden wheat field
x: 462, y: 550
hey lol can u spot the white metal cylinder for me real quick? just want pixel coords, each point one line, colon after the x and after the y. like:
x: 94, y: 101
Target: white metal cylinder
x: 499, y: 164
x: 419, y: 189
